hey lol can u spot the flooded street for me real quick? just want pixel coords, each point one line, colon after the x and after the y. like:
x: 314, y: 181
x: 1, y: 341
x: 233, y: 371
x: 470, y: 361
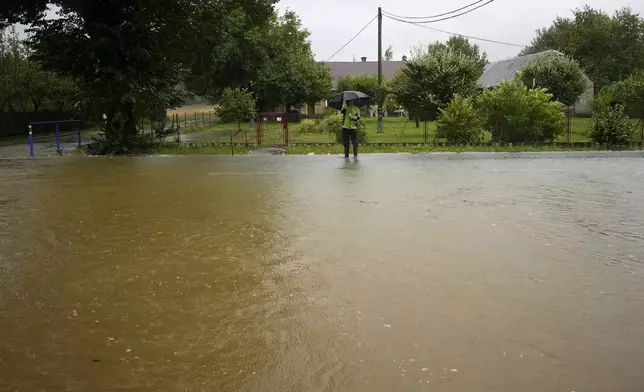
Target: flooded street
x: 443, y: 272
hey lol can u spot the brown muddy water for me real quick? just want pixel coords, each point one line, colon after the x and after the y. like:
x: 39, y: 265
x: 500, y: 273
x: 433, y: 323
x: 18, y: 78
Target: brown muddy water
x: 396, y: 273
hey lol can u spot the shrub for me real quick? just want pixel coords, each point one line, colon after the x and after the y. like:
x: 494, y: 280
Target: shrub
x: 236, y: 105
x: 333, y: 125
x: 460, y: 122
x: 513, y: 113
x: 430, y: 81
x: 611, y: 126
x: 330, y: 112
x: 308, y: 126
x: 560, y: 75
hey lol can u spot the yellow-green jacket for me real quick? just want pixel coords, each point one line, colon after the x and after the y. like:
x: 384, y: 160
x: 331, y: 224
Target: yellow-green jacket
x: 351, y: 116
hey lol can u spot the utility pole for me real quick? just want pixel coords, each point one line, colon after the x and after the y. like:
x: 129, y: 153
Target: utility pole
x: 380, y: 90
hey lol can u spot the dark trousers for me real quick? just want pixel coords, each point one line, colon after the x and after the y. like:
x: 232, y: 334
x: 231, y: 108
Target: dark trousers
x: 350, y: 134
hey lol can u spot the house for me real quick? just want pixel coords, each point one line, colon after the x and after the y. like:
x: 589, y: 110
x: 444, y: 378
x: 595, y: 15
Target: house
x: 497, y: 72
x: 341, y: 69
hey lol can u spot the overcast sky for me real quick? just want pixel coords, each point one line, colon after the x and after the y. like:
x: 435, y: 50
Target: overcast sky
x: 333, y: 22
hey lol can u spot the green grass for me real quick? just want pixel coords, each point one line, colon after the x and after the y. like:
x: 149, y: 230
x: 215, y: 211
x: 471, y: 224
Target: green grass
x: 401, y: 130
x: 396, y: 130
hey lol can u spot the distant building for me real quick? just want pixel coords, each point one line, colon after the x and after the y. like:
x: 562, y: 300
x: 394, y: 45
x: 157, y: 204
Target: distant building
x: 497, y: 72
x: 341, y: 69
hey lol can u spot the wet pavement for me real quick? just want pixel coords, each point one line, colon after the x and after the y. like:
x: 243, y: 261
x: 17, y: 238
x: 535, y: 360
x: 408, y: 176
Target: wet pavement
x: 454, y: 272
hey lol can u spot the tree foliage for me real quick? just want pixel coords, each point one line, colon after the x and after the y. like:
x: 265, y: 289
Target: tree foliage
x: 463, y: 46
x: 21, y: 11
x: 611, y: 126
x: 389, y: 53
x: 608, y: 48
x: 561, y: 76
x: 431, y: 81
x: 25, y: 86
x: 513, y: 113
x: 236, y: 105
x: 611, y: 108
x: 367, y: 84
x: 130, y: 57
x: 460, y: 122
x: 633, y: 95
x: 273, y: 59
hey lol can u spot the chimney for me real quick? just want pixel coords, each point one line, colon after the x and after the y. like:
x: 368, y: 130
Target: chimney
x: 404, y: 59
x: 364, y: 59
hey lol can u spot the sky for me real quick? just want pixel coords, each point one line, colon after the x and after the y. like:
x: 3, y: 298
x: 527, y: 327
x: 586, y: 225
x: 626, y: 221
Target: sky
x: 334, y: 22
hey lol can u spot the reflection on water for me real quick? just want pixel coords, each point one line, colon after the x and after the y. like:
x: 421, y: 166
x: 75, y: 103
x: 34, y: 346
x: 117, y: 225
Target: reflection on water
x: 394, y: 273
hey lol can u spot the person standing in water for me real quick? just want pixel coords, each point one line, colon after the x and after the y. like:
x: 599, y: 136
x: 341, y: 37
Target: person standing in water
x: 351, y: 116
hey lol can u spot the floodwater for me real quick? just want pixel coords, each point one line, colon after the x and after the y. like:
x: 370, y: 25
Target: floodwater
x: 488, y: 272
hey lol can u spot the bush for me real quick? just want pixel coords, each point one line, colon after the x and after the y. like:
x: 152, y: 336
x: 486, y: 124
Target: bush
x: 430, y: 81
x: 560, y: 75
x: 611, y: 126
x: 308, y: 126
x: 330, y: 112
x: 236, y: 105
x: 514, y: 114
x: 333, y: 125
x: 460, y: 123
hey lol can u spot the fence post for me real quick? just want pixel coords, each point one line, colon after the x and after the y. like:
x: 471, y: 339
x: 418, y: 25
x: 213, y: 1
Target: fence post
x: 31, y: 142
x: 58, y: 138
x: 203, y: 119
x: 209, y: 120
x: 185, y: 120
x: 258, y: 125
x: 178, y: 130
x: 195, y: 115
x: 285, y: 125
x: 232, y: 146
x: 78, y: 132
x: 426, y: 132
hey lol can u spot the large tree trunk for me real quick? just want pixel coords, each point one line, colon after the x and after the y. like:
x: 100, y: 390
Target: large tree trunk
x: 36, y: 104
x: 129, y: 124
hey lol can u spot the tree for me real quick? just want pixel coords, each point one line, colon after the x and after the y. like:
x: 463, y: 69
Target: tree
x: 463, y: 46
x: 12, y: 64
x: 561, y: 76
x: 231, y: 47
x: 21, y: 11
x: 236, y: 105
x: 430, y: 82
x: 631, y: 93
x: 513, y: 113
x: 25, y: 85
x: 273, y: 59
x: 290, y: 74
x: 389, y: 53
x: 608, y: 48
x: 367, y: 84
x: 460, y: 122
x: 130, y: 57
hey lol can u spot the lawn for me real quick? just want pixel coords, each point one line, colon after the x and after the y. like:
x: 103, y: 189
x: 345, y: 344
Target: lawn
x: 396, y: 130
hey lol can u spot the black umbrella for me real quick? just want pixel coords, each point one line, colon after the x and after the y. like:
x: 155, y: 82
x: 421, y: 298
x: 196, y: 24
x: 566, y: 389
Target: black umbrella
x: 355, y: 97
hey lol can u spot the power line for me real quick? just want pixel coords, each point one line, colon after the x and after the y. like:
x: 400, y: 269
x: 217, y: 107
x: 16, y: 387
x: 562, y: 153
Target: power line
x: 354, y: 37
x: 433, y: 16
x: 452, y: 16
x: 457, y: 34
